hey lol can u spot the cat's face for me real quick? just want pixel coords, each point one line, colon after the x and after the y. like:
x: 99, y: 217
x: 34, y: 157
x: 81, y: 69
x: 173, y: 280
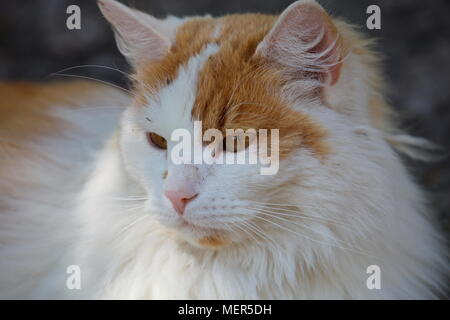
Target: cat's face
x: 235, y: 73
x: 225, y: 195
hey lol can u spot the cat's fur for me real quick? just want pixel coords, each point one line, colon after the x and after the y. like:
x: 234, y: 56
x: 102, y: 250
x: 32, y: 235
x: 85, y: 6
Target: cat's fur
x: 341, y: 201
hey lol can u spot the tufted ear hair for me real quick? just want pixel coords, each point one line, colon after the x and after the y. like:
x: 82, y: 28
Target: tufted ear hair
x: 140, y: 37
x: 305, y: 39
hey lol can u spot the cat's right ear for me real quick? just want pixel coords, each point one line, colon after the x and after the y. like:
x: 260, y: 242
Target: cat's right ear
x: 305, y: 39
x: 141, y: 38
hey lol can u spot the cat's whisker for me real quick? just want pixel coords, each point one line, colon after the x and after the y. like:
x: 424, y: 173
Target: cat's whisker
x: 253, y: 228
x: 314, y: 240
x: 93, y: 79
x: 301, y: 213
x: 245, y: 230
x: 133, y: 208
x: 274, y: 204
x: 285, y: 206
x: 299, y: 210
x: 276, y: 216
x: 258, y: 232
x: 131, y: 224
x: 130, y: 198
x: 102, y: 107
x: 92, y: 66
x: 302, y: 216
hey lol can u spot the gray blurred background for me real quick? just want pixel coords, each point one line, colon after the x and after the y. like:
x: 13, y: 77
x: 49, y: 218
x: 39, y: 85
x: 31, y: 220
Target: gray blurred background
x: 414, y: 41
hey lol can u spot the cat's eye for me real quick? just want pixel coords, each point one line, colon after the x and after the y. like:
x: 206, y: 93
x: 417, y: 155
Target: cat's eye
x: 156, y: 140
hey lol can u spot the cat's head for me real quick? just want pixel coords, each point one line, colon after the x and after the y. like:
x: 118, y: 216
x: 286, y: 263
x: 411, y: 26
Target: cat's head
x: 294, y: 73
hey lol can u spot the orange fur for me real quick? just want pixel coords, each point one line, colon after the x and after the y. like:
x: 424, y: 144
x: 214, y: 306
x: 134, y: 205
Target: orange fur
x: 25, y: 116
x: 211, y: 241
x: 24, y: 106
x: 236, y: 88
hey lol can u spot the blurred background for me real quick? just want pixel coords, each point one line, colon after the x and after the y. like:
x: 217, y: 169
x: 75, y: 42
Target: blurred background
x: 414, y: 40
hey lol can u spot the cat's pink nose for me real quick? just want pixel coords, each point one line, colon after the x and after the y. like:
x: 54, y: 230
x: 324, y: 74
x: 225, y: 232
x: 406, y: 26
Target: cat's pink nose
x: 180, y: 199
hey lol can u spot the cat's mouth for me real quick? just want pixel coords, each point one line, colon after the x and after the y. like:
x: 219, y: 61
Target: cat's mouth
x: 201, y: 236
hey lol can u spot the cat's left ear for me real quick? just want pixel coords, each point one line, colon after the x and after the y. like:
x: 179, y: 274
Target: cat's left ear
x: 305, y: 40
x: 140, y: 37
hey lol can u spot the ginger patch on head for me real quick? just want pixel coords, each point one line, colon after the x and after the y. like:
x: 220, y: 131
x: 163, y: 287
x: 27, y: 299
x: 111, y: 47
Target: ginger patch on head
x: 191, y: 38
x: 236, y: 88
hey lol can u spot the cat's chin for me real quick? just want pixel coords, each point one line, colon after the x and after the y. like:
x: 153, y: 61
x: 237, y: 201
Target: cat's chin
x: 197, y: 235
x: 202, y: 237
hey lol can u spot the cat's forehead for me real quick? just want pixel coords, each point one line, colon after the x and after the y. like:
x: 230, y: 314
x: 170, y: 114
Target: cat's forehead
x: 230, y: 86
x: 236, y: 37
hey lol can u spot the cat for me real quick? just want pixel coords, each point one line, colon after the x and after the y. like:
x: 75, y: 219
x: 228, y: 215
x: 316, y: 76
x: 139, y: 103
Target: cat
x: 87, y: 177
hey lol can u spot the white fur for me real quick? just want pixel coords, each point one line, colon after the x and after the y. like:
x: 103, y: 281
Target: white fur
x: 358, y: 207
x: 37, y: 227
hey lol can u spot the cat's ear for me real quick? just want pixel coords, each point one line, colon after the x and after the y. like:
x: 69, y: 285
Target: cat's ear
x: 305, y: 39
x: 140, y: 37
